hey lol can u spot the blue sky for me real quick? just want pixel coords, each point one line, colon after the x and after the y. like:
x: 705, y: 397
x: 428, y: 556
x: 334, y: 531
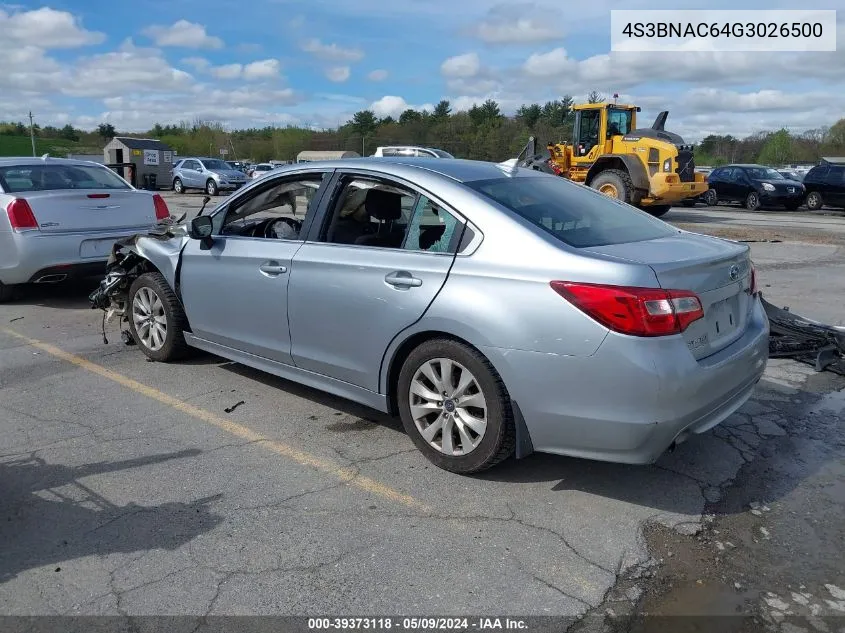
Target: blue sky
x: 315, y: 62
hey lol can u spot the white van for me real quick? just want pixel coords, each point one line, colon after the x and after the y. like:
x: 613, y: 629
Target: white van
x: 411, y: 150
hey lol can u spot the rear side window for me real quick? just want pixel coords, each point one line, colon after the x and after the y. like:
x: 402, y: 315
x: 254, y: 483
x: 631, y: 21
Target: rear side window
x: 573, y: 213
x: 56, y: 176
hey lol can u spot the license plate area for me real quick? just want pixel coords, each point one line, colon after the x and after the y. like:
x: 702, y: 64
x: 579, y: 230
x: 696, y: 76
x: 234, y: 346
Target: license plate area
x: 723, y: 318
x: 96, y: 248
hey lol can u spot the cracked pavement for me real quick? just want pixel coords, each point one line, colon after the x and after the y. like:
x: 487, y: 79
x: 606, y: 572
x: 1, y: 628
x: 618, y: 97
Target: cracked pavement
x: 115, y: 503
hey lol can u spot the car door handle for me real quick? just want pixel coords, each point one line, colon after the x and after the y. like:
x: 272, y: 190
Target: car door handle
x: 403, y: 279
x: 272, y: 268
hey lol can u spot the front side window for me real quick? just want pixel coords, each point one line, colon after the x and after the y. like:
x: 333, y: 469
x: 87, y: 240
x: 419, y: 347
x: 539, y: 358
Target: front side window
x: 48, y: 177
x: 575, y: 214
x: 370, y: 211
x: 618, y: 122
x: 836, y: 174
x: 276, y: 211
x: 215, y: 163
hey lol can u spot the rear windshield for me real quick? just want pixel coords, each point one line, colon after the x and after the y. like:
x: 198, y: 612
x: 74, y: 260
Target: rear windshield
x: 575, y: 214
x: 48, y: 177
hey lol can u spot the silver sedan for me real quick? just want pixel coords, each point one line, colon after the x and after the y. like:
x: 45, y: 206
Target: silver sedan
x: 498, y: 311
x: 59, y: 218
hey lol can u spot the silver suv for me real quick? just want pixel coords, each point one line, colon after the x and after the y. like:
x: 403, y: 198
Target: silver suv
x: 208, y: 174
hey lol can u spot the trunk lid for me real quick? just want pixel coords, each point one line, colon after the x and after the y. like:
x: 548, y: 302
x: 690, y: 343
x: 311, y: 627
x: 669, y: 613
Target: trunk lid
x: 718, y: 271
x: 74, y: 210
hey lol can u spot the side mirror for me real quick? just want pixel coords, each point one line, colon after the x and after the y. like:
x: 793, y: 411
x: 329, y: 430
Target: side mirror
x: 200, y: 227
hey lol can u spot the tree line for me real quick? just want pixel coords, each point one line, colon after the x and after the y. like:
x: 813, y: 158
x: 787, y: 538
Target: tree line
x: 482, y: 132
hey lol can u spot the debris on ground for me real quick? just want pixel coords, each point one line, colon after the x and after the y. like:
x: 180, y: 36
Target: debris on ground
x: 805, y: 340
x: 234, y: 406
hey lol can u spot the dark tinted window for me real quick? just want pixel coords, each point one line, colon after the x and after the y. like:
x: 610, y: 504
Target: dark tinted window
x: 817, y: 173
x: 836, y: 174
x: 575, y: 214
x: 58, y: 176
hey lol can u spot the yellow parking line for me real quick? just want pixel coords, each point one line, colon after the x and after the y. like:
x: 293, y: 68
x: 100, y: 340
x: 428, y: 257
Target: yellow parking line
x: 306, y: 459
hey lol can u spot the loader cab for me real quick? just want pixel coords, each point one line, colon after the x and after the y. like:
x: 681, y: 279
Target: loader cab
x: 596, y: 124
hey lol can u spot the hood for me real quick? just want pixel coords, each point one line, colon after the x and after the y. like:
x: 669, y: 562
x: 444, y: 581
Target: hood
x: 228, y: 173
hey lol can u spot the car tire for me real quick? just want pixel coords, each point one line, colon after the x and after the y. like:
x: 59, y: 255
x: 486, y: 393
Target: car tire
x: 151, y: 296
x: 711, y: 198
x: 658, y: 210
x: 178, y: 187
x: 472, y: 451
x: 752, y: 201
x: 792, y: 206
x: 211, y: 187
x: 614, y: 183
x: 7, y: 293
x: 814, y: 201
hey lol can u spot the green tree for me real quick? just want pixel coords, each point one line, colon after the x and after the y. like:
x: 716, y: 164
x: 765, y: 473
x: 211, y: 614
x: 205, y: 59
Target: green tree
x: 387, y: 120
x: 442, y: 110
x: 409, y: 116
x: 529, y: 115
x: 364, y: 122
x: 777, y: 149
x: 556, y: 113
x: 595, y: 97
x: 67, y: 132
x: 157, y: 131
x: 106, y: 131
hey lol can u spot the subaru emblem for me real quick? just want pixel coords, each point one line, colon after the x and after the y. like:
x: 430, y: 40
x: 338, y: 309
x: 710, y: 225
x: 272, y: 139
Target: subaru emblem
x: 734, y: 272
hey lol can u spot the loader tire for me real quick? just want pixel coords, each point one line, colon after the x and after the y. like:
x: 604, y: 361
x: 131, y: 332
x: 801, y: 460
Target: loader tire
x: 615, y: 183
x: 658, y: 210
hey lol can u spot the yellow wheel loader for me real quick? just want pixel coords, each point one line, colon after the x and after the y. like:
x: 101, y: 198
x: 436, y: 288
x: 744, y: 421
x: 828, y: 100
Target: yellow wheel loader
x: 647, y: 167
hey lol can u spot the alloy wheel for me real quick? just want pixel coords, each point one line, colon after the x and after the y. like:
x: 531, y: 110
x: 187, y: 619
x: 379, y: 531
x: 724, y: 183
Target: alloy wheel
x: 448, y: 407
x: 149, y: 318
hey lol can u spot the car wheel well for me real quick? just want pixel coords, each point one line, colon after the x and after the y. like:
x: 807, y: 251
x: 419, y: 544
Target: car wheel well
x: 144, y: 266
x: 403, y: 351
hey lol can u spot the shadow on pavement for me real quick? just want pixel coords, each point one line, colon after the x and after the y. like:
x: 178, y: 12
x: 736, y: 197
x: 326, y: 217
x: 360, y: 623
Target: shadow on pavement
x: 66, y: 295
x: 47, y: 515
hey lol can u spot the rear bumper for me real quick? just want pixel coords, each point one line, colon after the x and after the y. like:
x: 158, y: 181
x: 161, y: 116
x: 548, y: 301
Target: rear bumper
x: 633, y: 398
x: 32, y: 256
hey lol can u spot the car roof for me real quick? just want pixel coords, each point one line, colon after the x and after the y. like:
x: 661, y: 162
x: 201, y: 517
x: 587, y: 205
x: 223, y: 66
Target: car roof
x: 749, y: 165
x: 10, y: 161
x: 459, y: 169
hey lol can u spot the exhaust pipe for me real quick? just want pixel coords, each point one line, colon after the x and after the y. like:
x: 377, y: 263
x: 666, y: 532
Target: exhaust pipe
x: 51, y: 279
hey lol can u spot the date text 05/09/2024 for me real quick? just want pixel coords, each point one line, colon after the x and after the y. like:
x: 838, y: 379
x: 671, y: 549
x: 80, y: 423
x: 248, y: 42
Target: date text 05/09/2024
x: 418, y: 624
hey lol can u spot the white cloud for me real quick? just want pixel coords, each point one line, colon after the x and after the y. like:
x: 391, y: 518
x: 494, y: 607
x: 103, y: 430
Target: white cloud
x: 546, y: 64
x: 519, y: 23
x: 182, y: 34
x: 394, y: 106
x: 332, y: 52
x: 200, y: 64
x: 45, y: 28
x: 338, y: 74
x: 467, y: 65
x: 377, y: 75
x: 262, y: 69
x: 227, y: 71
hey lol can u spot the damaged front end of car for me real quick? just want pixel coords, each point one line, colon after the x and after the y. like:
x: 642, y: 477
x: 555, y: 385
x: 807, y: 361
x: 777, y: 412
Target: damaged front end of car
x: 131, y: 257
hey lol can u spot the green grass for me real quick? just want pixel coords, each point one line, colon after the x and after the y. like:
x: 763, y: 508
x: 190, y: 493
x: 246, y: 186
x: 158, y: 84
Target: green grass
x: 22, y: 146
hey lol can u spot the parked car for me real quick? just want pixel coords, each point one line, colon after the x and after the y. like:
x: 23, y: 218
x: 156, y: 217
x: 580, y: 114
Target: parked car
x: 495, y: 312
x: 753, y: 186
x: 60, y: 217
x: 211, y: 175
x: 261, y: 169
x: 411, y: 150
x: 791, y: 174
x: 238, y: 165
x: 825, y: 184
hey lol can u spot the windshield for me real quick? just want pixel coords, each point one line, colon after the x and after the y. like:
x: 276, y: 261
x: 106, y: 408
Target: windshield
x: 764, y: 173
x: 441, y: 153
x: 574, y: 214
x: 58, y: 176
x: 215, y: 164
x: 618, y: 122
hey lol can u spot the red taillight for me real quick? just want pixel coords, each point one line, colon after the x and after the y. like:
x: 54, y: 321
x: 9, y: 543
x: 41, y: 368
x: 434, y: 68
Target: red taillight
x: 162, y: 212
x: 634, y: 311
x: 21, y: 216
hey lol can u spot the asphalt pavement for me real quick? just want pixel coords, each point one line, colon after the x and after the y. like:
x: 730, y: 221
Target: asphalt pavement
x: 204, y: 487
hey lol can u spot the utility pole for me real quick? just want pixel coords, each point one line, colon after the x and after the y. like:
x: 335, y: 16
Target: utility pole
x: 32, y: 133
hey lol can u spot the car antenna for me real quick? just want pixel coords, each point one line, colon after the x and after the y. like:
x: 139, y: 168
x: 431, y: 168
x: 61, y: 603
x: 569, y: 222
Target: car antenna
x: 205, y: 201
x: 181, y: 217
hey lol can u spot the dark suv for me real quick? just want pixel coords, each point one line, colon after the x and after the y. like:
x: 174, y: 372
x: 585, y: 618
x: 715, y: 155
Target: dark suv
x: 753, y: 186
x: 825, y: 184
